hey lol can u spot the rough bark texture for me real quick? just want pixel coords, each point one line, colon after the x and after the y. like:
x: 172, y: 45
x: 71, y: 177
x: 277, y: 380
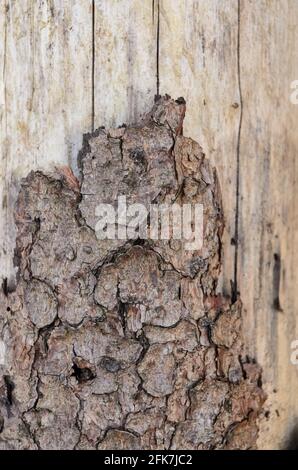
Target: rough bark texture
x: 114, y: 344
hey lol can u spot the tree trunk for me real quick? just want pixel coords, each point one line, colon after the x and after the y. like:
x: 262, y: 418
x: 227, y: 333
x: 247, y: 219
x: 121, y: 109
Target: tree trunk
x: 71, y: 66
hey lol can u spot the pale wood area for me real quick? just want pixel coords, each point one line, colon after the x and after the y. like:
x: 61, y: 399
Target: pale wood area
x: 125, y: 58
x: 45, y: 96
x: 268, y: 204
x: 198, y: 60
x: 68, y: 65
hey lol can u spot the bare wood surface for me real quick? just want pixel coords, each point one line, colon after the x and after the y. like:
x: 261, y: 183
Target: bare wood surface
x: 45, y: 95
x: 268, y: 205
x: 124, y: 60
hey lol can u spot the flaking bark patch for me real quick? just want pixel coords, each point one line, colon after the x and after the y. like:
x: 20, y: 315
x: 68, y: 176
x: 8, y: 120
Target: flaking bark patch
x: 113, y: 344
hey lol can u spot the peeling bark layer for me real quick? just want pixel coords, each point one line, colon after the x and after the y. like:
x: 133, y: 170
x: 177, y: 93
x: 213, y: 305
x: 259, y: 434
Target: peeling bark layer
x: 123, y: 344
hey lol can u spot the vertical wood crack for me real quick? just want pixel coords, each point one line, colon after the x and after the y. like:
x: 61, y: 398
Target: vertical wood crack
x: 7, y: 176
x: 157, y: 96
x: 236, y: 236
x: 93, y: 67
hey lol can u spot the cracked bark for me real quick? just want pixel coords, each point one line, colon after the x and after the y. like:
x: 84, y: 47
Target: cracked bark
x: 113, y: 344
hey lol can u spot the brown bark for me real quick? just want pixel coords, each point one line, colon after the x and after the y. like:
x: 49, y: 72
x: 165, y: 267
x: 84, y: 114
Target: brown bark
x: 114, y: 344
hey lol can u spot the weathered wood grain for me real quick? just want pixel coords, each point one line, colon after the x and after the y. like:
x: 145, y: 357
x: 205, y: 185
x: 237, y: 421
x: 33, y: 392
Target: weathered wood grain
x: 3, y: 195
x: 46, y: 98
x: 124, y: 60
x: 198, y: 60
x: 268, y: 206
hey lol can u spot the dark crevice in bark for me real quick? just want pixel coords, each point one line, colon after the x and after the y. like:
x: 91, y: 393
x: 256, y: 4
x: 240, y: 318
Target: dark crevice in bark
x: 9, y: 389
x: 5, y: 287
x: 82, y: 374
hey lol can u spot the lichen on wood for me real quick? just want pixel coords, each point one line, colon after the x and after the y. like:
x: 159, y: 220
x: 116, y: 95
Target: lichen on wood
x: 123, y: 343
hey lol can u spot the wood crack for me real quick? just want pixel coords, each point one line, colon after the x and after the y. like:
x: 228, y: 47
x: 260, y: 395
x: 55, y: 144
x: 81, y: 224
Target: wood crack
x: 93, y: 68
x: 157, y: 96
x: 236, y: 236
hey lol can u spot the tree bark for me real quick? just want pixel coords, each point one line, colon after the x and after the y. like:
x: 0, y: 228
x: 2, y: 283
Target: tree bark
x: 124, y: 344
